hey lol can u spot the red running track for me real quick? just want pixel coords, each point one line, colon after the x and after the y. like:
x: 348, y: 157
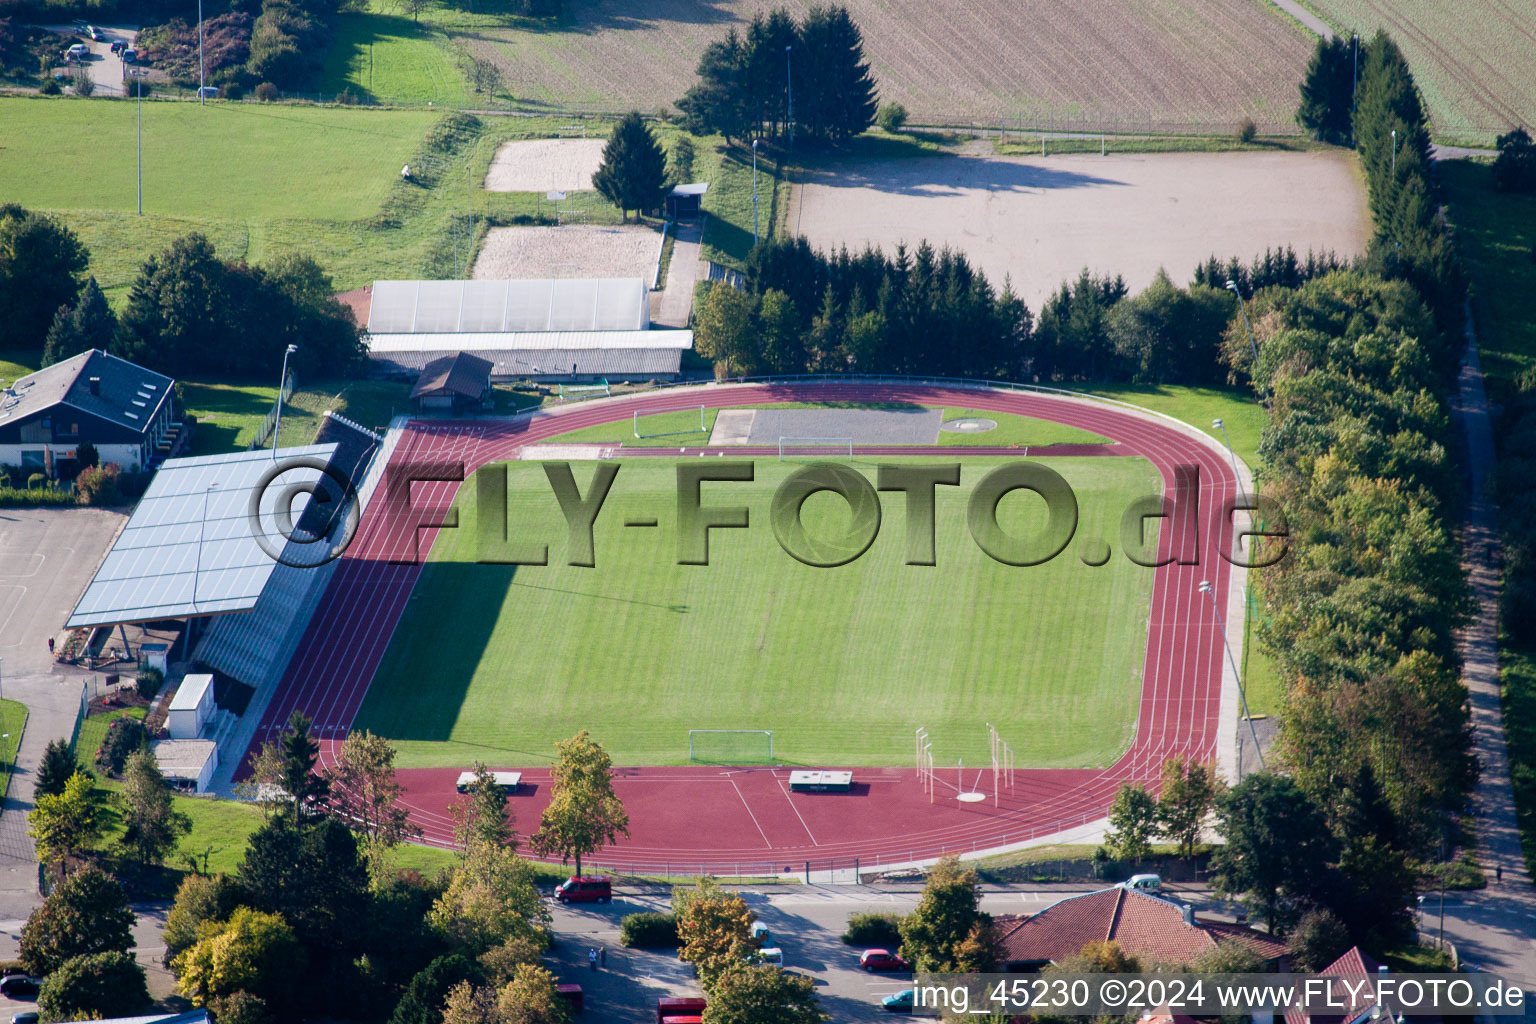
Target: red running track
x: 742, y: 821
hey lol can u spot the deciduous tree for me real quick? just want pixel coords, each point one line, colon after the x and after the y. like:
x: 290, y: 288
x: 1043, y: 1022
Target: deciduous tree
x: 1276, y: 844
x: 480, y: 816
x: 65, y: 824
x: 933, y: 934
x: 531, y: 998
x: 1188, y: 796
x: 365, y: 792
x: 86, y: 913
x: 490, y: 900
x: 151, y: 823
x: 90, y: 987
x: 1132, y: 823
x: 714, y: 928
x: 41, y: 261
x: 763, y: 994
x: 584, y: 813
x: 252, y: 952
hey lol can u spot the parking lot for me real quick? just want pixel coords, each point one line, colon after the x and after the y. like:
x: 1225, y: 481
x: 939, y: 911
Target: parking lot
x: 105, y: 66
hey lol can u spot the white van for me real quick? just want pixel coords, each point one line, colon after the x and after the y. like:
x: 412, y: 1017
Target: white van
x: 1152, y: 885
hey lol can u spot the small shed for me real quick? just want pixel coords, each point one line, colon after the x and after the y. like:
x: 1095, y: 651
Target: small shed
x: 685, y: 201
x: 456, y: 382
x: 187, y: 765
x: 191, y: 707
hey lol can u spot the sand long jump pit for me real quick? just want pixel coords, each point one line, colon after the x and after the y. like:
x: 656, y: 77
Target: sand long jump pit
x: 575, y: 250
x: 539, y: 165
x: 1041, y: 220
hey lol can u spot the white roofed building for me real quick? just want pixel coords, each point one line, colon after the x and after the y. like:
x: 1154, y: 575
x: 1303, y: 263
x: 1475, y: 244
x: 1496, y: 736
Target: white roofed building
x: 554, y: 328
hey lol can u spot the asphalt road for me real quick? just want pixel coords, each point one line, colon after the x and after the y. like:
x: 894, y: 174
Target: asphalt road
x: 46, y: 558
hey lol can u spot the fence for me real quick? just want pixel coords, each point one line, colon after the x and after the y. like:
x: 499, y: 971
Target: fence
x: 270, y: 423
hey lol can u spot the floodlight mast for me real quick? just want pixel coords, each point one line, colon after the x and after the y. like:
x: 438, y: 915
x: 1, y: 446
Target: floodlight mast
x: 1210, y: 592
x: 754, y: 193
x: 281, y: 383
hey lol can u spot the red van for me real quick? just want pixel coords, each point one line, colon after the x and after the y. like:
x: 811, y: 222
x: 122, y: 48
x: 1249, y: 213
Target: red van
x: 680, y: 1010
x: 585, y: 889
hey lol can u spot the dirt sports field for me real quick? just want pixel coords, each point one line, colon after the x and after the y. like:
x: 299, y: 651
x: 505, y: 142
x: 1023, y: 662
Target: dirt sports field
x: 1475, y: 63
x: 1213, y: 61
x: 539, y: 165
x: 575, y: 250
x: 1043, y: 220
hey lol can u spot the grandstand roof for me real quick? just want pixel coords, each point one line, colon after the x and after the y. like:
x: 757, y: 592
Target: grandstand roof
x: 551, y: 304
x: 518, y: 363
x: 190, y: 548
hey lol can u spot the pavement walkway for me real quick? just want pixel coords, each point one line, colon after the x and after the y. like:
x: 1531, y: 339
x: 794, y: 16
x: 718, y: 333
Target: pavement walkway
x: 1306, y: 17
x: 676, y: 299
x: 1494, y: 928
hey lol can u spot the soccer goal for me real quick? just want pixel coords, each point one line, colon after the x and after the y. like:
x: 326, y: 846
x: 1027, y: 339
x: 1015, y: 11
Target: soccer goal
x: 703, y: 426
x: 815, y: 447
x: 600, y: 387
x: 563, y: 218
x: 730, y: 746
x: 572, y: 131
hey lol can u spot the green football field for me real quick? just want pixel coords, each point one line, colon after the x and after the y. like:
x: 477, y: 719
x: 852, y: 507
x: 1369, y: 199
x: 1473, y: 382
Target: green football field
x: 496, y: 662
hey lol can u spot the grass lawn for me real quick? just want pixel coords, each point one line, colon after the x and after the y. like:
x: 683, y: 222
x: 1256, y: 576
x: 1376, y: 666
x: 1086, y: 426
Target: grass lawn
x: 1496, y: 236
x: 392, y: 59
x: 228, y: 415
x: 93, y: 731
x: 1237, y: 408
x: 1015, y: 430
x: 15, y: 364
x: 13, y: 719
x: 498, y: 662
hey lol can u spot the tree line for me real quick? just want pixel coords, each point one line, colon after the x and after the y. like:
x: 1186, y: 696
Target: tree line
x: 1381, y: 111
x: 317, y: 920
x: 785, y: 80
x: 188, y: 312
x: 930, y: 312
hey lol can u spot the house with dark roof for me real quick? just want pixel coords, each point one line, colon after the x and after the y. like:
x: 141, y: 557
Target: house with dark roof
x: 1150, y: 928
x: 121, y: 408
x: 457, y: 383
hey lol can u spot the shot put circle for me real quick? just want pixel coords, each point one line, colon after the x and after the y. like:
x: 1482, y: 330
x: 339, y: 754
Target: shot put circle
x: 968, y: 425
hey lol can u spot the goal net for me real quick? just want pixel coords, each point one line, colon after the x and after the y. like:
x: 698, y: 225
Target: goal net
x: 731, y: 746
x: 572, y: 131
x: 815, y: 447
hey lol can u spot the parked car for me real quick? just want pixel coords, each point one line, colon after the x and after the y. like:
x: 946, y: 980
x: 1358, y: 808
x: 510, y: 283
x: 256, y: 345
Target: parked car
x: 900, y: 1002
x: 883, y: 960
x: 761, y: 935
x: 19, y: 986
x: 572, y: 994
x: 130, y: 55
x: 680, y: 1009
x: 24, y: 1017
x: 771, y: 955
x: 95, y: 33
x: 117, y: 46
x: 1152, y: 885
x: 79, y: 51
x: 585, y: 889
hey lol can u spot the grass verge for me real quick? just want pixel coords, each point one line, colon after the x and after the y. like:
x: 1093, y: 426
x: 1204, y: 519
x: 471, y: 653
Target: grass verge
x: 13, y: 719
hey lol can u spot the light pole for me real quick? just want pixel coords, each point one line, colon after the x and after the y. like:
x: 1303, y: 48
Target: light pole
x: 138, y: 76
x: 789, y: 88
x: 1231, y: 455
x: 1394, y: 154
x: 1254, y: 345
x: 9, y: 768
x: 754, y: 193
x: 1209, y: 591
x: 281, y: 383
x: 1354, y: 84
x: 201, y: 99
